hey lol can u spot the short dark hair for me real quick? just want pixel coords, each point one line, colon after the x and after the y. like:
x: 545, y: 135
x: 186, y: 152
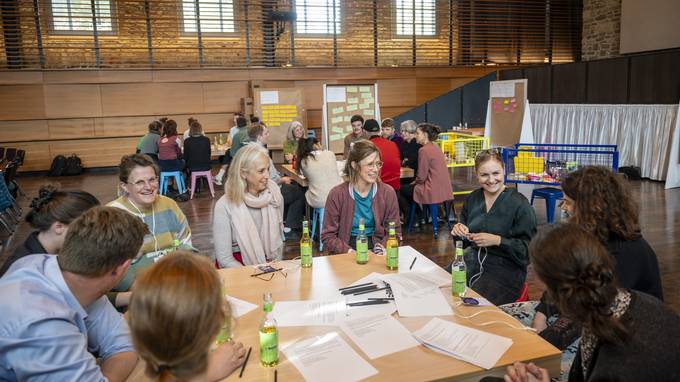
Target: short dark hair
x: 241, y: 122
x: 255, y: 130
x: 155, y: 126
x: 129, y: 162
x: 170, y: 128
x: 195, y: 128
x: 53, y: 205
x: 100, y: 240
x: 431, y: 130
x: 356, y: 117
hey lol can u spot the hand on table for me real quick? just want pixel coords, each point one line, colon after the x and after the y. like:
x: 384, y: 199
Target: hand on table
x: 483, y: 239
x: 378, y: 249
x: 520, y: 372
x: 225, y: 359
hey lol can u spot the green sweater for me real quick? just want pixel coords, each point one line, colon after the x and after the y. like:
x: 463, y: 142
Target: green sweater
x: 289, y: 147
x: 511, y: 217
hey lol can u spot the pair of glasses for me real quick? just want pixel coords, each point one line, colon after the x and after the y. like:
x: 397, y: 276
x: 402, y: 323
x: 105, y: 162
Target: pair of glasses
x: 376, y: 165
x: 269, y: 275
x: 141, y: 183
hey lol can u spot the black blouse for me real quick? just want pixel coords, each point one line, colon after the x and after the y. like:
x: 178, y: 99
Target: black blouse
x: 409, y: 150
x: 31, y: 246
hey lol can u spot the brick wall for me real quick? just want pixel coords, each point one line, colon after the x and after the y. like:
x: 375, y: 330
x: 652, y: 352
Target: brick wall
x: 601, y: 29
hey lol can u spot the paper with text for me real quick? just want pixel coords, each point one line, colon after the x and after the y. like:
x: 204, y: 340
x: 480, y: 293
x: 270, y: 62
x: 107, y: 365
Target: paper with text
x: 309, y: 312
x: 422, y: 265
x: 335, y: 94
x: 268, y: 97
x: 378, y: 335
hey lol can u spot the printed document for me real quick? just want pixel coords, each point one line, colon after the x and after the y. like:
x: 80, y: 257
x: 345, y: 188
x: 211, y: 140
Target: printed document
x: 378, y: 335
x: 309, y: 312
x: 422, y: 265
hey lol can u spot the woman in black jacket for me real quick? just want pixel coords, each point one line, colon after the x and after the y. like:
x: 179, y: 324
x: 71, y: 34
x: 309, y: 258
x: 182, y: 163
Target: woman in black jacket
x: 197, y: 149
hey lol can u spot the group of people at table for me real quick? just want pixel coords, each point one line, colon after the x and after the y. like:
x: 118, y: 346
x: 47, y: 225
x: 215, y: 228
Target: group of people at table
x: 60, y: 321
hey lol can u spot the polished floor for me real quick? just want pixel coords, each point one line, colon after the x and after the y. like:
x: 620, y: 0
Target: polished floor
x: 659, y: 217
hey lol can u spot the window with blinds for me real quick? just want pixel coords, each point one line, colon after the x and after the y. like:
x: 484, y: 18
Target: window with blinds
x: 77, y: 15
x: 317, y: 16
x: 214, y: 16
x: 420, y: 15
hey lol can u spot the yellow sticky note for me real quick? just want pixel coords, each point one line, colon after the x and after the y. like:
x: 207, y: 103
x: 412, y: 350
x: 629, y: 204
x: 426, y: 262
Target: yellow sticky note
x: 352, y: 107
x: 364, y: 106
x: 351, y: 89
x: 337, y: 110
x: 352, y: 100
x: 506, y: 101
x: 364, y: 89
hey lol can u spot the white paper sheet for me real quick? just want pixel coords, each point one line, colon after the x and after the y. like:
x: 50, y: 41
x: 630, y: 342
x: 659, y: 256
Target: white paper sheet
x: 502, y: 89
x: 335, y: 94
x: 378, y: 335
x: 422, y: 265
x: 239, y: 307
x: 417, y: 296
x: 309, y: 312
x: 268, y: 97
x: 471, y: 345
x: 328, y: 358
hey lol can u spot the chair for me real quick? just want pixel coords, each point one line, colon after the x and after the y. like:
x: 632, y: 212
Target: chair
x: 179, y: 181
x: 551, y: 196
x: 318, y: 215
x: 10, y: 153
x: 433, y: 213
x: 524, y: 295
x: 208, y: 175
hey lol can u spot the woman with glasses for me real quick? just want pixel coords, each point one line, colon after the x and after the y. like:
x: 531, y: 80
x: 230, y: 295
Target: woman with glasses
x: 432, y: 184
x: 496, y: 225
x: 248, y: 218
x: 173, y: 333
x: 362, y: 197
x: 168, y: 227
x: 50, y: 214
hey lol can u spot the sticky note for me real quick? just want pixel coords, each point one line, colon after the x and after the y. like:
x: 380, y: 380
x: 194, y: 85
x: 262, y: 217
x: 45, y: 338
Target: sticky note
x: 352, y: 107
x: 337, y: 110
x: 336, y: 137
x: 366, y: 96
x: 351, y: 89
x: 364, y: 106
x: 339, y: 130
x: 337, y: 119
x: 368, y: 112
x: 348, y: 118
x: 365, y: 89
x: 352, y: 100
x: 507, y: 108
x: 506, y: 101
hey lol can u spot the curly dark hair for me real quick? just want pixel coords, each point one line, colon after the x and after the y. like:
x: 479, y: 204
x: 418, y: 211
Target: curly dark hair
x: 604, y: 206
x: 579, y: 275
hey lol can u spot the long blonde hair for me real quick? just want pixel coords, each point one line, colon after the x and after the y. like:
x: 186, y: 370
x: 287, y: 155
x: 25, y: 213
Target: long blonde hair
x: 235, y: 187
x: 175, y: 313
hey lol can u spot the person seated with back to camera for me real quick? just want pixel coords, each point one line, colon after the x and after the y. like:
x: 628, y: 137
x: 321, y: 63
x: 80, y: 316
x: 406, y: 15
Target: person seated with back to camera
x: 626, y: 335
x: 496, y: 225
x: 168, y: 226
x: 365, y: 197
x: 432, y: 184
x: 320, y: 170
x: 390, y: 173
x: 388, y: 131
x: 197, y: 149
x: 171, y: 332
x: 149, y: 143
x: 169, y: 150
x: 238, y: 135
x: 51, y: 213
x: 57, y: 325
x: 248, y: 218
x: 295, y: 132
x: 357, y: 134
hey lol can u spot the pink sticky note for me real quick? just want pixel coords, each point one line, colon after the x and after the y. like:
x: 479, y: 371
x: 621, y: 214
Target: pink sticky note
x: 507, y: 108
x: 513, y: 100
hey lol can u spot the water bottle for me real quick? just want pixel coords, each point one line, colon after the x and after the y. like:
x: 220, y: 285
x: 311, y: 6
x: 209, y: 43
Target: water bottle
x: 458, y: 272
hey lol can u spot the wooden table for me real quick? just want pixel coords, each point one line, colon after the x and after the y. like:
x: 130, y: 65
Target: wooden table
x: 287, y: 169
x: 332, y: 272
x: 217, y: 151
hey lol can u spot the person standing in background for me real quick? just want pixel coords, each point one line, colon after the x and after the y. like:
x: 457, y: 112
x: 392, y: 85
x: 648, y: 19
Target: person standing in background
x: 357, y: 134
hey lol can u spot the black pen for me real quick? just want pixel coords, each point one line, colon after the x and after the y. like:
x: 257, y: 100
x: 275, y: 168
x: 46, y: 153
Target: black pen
x: 381, y: 298
x: 276, y: 375
x: 264, y: 273
x: 355, y: 286
x: 358, y: 290
x: 369, y: 291
x: 243, y: 367
x: 370, y: 302
x: 412, y: 263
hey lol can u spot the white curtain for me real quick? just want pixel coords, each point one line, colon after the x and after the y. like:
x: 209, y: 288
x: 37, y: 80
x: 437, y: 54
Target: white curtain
x: 642, y: 132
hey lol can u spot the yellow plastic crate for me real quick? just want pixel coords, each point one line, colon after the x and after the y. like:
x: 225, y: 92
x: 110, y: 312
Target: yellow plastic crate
x: 460, y: 149
x: 528, y: 163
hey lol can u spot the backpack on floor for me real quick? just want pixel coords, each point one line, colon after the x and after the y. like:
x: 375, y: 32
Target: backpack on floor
x: 58, y: 166
x: 73, y: 165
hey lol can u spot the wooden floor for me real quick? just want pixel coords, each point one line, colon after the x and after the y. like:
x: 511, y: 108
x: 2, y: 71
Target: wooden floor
x: 659, y: 215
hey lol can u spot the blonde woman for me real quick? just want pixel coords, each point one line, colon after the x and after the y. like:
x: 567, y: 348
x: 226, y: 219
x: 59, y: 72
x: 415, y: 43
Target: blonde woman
x: 248, y: 218
x: 171, y: 332
x: 295, y: 132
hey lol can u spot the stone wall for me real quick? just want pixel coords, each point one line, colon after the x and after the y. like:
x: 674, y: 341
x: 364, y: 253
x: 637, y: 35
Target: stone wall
x: 601, y: 29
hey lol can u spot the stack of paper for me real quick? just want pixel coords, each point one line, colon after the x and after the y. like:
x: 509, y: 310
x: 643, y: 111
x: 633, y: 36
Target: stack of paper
x: 416, y: 295
x: 378, y: 335
x: 309, y: 313
x: 470, y: 345
x: 422, y: 265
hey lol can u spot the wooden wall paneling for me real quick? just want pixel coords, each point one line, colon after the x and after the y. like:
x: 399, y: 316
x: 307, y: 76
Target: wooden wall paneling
x: 569, y: 83
x: 428, y: 88
x: 397, y: 92
x: 72, y: 101
x: 71, y: 128
x: 122, y: 126
x: 96, y: 76
x: 393, y: 111
x: 608, y: 81
x: 91, y: 152
x: 312, y: 93
x: 38, y: 155
x: 200, y: 75
x: 220, y: 97
x: 22, y: 102
x: 127, y: 99
x: 314, y: 119
x: 177, y: 97
x: 655, y: 78
x: 211, y: 123
x: 13, y: 77
x: 19, y: 131
x: 538, y: 82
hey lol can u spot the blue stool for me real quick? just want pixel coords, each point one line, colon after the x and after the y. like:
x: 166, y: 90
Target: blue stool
x: 318, y: 215
x: 179, y: 181
x: 551, y: 196
x: 433, y: 213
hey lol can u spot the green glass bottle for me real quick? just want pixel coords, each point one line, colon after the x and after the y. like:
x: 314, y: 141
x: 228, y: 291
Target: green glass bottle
x: 362, y: 244
x: 224, y: 335
x: 392, y: 249
x: 458, y: 272
x: 269, y: 335
x: 305, y: 246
